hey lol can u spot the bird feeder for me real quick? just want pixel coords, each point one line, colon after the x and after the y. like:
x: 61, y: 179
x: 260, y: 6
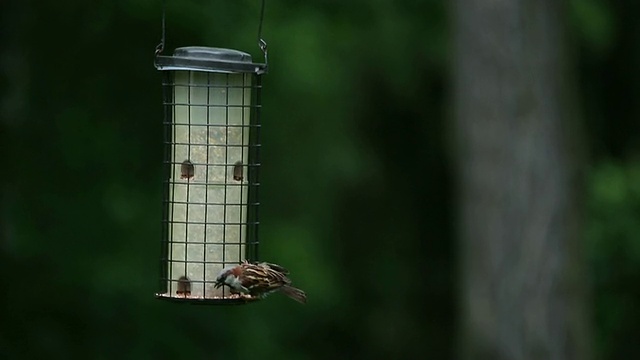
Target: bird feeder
x: 211, y: 100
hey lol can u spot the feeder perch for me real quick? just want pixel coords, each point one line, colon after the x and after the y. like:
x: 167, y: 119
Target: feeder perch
x: 211, y: 99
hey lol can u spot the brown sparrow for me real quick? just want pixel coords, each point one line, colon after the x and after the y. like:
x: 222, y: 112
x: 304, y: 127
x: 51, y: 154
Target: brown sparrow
x: 259, y: 279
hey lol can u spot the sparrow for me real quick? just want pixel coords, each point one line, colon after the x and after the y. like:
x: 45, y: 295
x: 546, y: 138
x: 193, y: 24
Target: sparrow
x: 259, y: 279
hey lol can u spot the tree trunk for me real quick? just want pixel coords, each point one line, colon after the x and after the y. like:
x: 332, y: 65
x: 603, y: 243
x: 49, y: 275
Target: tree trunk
x: 516, y: 142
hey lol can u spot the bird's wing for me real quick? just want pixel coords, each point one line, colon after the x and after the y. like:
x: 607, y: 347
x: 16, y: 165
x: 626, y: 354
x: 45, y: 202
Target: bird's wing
x: 275, y: 267
x: 263, y: 278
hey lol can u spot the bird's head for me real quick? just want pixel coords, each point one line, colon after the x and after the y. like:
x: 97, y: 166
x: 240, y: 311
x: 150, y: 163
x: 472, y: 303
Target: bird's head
x: 228, y: 276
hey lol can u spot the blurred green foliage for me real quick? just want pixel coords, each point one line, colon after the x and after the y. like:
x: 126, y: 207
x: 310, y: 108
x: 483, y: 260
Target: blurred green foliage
x: 614, y: 250
x: 357, y: 192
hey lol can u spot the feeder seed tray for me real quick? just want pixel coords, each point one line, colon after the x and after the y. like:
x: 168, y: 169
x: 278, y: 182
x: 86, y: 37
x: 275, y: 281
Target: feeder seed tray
x: 233, y: 299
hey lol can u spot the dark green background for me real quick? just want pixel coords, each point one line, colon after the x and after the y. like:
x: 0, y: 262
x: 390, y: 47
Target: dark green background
x: 357, y: 187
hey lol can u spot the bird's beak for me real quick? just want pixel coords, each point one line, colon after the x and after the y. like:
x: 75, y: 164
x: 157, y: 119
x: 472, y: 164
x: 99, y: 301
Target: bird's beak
x: 218, y: 284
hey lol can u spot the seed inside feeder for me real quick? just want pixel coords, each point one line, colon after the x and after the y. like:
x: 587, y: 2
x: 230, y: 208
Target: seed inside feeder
x: 184, y: 286
x: 237, y: 171
x: 187, y: 170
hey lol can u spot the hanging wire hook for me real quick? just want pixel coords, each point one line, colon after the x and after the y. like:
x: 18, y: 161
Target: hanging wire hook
x: 261, y: 43
x: 160, y: 47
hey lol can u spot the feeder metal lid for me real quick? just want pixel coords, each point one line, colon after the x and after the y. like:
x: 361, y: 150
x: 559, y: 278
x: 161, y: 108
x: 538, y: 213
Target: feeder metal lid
x: 210, y: 59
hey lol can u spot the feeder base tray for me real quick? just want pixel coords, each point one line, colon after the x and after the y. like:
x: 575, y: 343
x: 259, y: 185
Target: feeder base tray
x: 233, y: 299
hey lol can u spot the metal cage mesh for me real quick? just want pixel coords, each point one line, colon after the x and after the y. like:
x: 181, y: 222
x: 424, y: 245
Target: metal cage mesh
x: 211, y: 186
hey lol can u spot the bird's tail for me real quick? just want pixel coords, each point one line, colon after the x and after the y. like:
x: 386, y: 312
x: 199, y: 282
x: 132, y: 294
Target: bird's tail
x: 295, y: 293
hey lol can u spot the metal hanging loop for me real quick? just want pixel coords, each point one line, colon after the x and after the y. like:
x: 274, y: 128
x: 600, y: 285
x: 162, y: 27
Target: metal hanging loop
x: 160, y: 47
x: 262, y: 44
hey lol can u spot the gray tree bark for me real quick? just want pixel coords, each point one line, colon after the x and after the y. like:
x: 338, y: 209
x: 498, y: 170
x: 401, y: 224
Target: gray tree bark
x: 518, y: 155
